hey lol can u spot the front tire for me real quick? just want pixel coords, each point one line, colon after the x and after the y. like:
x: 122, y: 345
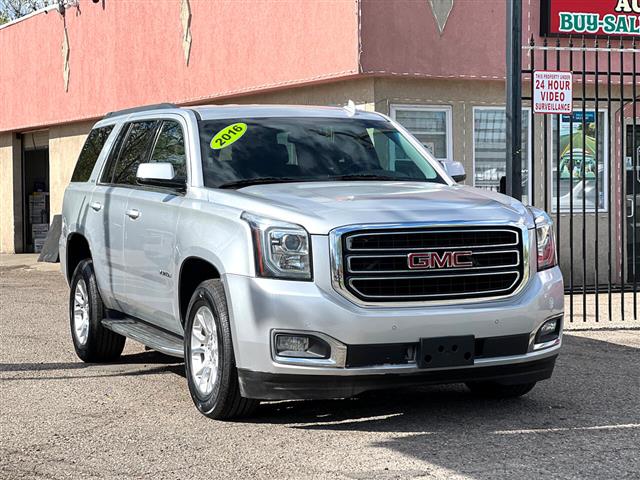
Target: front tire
x: 92, y: 342
x: 496, y: 390
x: 209, y: 359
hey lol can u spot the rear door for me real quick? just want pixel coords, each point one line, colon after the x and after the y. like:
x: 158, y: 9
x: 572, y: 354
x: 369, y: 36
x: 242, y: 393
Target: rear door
x: 150, y: 235
x: 78, y: 213
x: 108, y: 207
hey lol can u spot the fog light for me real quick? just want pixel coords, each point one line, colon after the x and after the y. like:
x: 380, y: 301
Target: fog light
x: 291, y: 343
x: 301, y: 346
x: 549, y: 327
x: 549, y: 331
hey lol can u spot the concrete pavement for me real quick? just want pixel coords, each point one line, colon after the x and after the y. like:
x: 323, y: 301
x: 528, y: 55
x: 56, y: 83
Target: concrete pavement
x: 60, y: 418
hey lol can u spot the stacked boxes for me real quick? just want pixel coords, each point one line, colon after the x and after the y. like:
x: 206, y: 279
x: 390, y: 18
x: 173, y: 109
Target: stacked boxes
x: 39, y: 218
x: 39, y: 233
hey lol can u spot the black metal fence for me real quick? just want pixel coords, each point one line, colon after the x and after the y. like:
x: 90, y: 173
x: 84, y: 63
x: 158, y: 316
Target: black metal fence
x: 585, y: 170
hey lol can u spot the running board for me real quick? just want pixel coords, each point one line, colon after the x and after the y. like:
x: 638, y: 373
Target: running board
x: 153, y: 337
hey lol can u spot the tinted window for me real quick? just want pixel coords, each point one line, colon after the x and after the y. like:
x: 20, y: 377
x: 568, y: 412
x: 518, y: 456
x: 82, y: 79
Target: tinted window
x: 107, y: 173
x: 308, y: 149
x: 169, y: 148
x: 90, y: 152
x: 135, y: 151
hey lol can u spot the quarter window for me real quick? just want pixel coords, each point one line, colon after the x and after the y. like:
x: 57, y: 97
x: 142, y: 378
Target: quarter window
x: 90, y: 153
x: 169, y: 148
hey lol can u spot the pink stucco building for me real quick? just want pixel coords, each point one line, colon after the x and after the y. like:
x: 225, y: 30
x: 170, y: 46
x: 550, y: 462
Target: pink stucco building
x: 436, y: 66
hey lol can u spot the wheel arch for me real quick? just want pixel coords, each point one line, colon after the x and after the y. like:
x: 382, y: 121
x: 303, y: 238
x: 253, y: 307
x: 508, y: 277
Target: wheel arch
x: 193, y: 271
x: 78, y: 249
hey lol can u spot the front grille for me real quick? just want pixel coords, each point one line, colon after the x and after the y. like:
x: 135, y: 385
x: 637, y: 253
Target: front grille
x: 453, y: 263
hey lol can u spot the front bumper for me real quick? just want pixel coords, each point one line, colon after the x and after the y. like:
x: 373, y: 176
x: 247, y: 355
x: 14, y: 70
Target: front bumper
x: 258, y: 306
x: 273, y: 386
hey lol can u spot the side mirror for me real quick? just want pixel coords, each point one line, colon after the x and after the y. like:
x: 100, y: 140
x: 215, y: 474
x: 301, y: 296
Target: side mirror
x: 159, y: 174
x: 455, y: 170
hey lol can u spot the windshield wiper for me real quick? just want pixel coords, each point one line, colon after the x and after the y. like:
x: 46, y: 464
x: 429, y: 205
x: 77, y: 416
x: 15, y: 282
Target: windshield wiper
x: 367, y: 176
x: 246, y: 182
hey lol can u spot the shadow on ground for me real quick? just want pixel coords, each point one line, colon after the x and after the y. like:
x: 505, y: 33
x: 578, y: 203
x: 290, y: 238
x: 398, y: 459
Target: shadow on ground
x: 150, y: 362
x: 584, y: 422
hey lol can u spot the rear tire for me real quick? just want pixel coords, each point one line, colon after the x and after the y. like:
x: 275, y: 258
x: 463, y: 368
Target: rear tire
x: 209, y: 359
x: 496, y: 390
x: 92, y: 342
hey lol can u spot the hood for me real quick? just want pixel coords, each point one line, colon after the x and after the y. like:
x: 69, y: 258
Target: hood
x: 322, y: 206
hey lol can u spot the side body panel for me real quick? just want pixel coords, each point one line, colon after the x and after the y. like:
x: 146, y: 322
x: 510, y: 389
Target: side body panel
x: 150, y: 257
x: 105, y: 221
x: 75, y: 210
x: 216, y: 234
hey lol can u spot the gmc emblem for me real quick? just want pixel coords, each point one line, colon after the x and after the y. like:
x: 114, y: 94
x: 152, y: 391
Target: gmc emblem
x: 424, y: 261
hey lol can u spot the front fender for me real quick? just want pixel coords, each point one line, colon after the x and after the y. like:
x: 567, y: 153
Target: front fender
x: 216, y: 234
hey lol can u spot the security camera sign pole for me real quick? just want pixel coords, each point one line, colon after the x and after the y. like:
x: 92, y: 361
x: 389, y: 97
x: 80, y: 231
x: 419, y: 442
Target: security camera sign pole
x: 552, y: 92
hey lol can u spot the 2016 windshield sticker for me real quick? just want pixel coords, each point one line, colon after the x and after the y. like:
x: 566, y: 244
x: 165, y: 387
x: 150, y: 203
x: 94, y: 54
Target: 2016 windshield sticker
x: 228, y: 135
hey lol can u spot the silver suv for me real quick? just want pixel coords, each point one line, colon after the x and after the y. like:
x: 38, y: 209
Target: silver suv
x: 302, y: 253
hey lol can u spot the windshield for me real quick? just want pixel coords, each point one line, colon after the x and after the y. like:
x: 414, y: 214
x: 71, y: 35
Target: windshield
x: 237, y: 152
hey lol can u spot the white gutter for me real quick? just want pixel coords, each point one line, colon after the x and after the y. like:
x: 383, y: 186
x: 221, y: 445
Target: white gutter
x: 46, y: 9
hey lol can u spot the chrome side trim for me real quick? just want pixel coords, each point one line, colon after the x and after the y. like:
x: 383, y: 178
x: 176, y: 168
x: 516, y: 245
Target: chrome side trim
x: 350, y: 270
x: 337, y: 264
x: 462, y: 247
x: 360, y: 279
x: 149, y: 335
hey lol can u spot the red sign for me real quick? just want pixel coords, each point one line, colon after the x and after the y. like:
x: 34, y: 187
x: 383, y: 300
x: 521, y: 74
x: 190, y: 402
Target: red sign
x: 591, y: 17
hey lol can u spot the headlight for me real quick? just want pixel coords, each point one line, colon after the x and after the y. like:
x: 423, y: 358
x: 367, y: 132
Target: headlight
x: 282, y: 250
x: 545, y: 239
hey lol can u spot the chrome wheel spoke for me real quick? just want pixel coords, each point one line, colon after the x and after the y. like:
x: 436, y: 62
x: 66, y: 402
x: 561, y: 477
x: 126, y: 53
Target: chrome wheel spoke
x: 81, y: 312
x: 198, y: 351
x: 204, y: 351
x: 199, y: 335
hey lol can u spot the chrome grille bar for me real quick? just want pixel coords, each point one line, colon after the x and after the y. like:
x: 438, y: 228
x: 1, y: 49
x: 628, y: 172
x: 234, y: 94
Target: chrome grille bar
x: 407, y: 270
x: 367, y: 274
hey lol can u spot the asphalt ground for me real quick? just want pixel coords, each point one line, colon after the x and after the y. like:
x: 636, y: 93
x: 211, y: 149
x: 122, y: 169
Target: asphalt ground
x: 60, y: 418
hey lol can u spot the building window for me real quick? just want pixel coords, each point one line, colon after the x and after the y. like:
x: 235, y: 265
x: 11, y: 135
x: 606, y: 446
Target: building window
x: 490, y: 148
x: 430, y: 125
x: 579, y: 144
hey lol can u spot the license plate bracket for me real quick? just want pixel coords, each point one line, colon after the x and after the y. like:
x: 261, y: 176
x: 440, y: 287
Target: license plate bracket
x: 441, y: 352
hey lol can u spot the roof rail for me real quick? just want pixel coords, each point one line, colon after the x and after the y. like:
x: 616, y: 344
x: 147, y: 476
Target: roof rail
x: 144, y: 108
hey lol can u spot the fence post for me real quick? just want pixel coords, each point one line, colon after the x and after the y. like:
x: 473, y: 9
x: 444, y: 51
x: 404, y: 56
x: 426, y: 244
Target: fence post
x: 514, y: 99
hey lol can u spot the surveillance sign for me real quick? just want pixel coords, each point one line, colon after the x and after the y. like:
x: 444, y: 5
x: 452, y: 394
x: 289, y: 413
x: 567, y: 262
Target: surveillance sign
x: 552, y: 92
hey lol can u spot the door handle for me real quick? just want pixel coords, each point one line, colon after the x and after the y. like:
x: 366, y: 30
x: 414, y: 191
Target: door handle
x: 632, y: 209
x: 97, y: 206
x: 133, y: 214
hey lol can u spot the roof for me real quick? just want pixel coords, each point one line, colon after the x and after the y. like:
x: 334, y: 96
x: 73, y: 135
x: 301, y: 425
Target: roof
x: 214, y: 112
x: 207, y: 112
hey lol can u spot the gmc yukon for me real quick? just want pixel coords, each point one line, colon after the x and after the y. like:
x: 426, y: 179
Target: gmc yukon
x: 302, y: 253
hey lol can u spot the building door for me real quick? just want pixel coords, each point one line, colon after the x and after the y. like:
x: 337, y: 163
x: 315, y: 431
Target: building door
x: 35, y: 198
x: 632, y: 162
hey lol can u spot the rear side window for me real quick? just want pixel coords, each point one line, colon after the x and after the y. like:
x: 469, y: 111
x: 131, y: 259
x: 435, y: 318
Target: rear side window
x: 135, y: 150
x: 90, y: 152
